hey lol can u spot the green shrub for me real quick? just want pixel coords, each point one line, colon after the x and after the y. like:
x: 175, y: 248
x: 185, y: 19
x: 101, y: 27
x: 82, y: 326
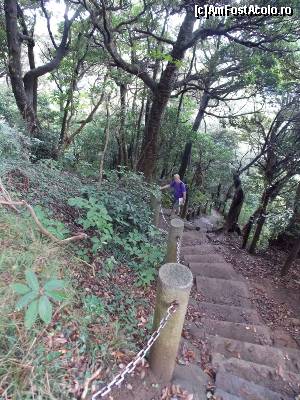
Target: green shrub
x: 37, y: 299
x: 119, y: 216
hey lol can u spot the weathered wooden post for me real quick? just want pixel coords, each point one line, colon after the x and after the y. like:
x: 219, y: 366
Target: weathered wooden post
x: 175, y: 234
x: 155, y: 204
x: 174, y: 284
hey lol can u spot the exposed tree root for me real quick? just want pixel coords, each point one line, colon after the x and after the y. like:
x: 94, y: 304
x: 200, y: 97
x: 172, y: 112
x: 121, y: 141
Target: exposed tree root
x: 6, y: 200
x: 88, y: 381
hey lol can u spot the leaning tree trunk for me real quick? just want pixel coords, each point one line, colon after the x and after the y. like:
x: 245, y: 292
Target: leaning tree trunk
x: 260, y: 221
x: 106, y: 139
x: 286, y: 238
x: 218, y: 194
x: 248, y: 227
x: 122, y: 154
x: 188, y: 146
x: 25, y: 89
x: 199, y: 117
x: 25, y: 106
x: 246, y: 231
x: 236, y: 206
x: 161, y: 95
x: 186, y: 156
x: 291, y: 257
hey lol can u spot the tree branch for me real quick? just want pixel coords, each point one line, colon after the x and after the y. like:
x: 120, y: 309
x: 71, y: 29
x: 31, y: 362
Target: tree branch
x: 157, y: 37
x: 59, y: 53
x: 106, y: 32
x: 48, y: 24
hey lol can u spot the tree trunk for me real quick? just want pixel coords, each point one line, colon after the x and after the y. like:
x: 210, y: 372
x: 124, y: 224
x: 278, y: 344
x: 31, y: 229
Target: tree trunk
x: 32, y: 85
x: 185, y: 160
x: 246, y: 231
x: 106, y: 139
x: 122, y: 155
x: 25, y: 89
x: 147, y: 161
x: 260, y: 221
x: 199, y: 117
x: 25, y: 106
x: 291, y: 257
x: 136, y: 146
x: 236, y: 206
x: 227, y: 197
x: 197, y: 180
x: 161, y: 96
x: 286, y: 238
x: 188, y: 146
x: 217, y: 199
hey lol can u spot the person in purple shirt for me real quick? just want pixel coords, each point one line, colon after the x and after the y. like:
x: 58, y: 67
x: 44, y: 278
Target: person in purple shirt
x: 179, y: 193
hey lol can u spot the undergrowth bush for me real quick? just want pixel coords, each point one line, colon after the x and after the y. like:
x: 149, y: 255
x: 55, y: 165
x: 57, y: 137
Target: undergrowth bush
x: 119, y: 215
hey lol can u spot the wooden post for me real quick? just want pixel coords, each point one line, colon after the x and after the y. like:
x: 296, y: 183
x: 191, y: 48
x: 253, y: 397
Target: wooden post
x: 155, y: 203
x: 175, y: 233
x: 174, y: 284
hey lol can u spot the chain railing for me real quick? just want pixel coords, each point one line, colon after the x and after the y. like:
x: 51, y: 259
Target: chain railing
x: 164, y: 218
x: 118, y: 379
x: 178, y: 249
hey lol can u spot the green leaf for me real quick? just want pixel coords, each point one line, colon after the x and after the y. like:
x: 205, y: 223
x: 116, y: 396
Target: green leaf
x: 54, y: 284
x: 31, y: 314
x: 53, y: 355
x: 45, y: 309
x: 32, y: 280
x: 20, y: 288
x: 25, y: 300
x: 58, y: 296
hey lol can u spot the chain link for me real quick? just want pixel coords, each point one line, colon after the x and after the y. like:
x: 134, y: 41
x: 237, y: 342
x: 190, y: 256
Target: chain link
x: 164, y: 218
x: 178, y: 249
x: 163, y: 231
x: 118, y: 379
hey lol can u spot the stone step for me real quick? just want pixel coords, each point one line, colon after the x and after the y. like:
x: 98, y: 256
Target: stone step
x: 257, y: 334
x: 246, y: 390
x: 199, y: 249
x: 227, y: 313
x: 193, y: 236
x: 286, y: 359
x: 191, y: 378
x: 220, y: 394
x: 277, y: 380
x: 223, y: 291
x: 283, y: 339
x: 215, y: 270
x: 204, y: 258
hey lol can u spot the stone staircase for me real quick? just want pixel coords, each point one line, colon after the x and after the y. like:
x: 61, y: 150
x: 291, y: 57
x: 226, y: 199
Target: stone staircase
x: 249, y: 361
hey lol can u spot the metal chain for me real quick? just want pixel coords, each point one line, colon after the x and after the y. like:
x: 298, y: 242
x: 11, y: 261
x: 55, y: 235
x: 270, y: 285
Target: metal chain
x: 163, y: 231
x: 118, y: 379
x: 178, y: 249
x: 163, y: 215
